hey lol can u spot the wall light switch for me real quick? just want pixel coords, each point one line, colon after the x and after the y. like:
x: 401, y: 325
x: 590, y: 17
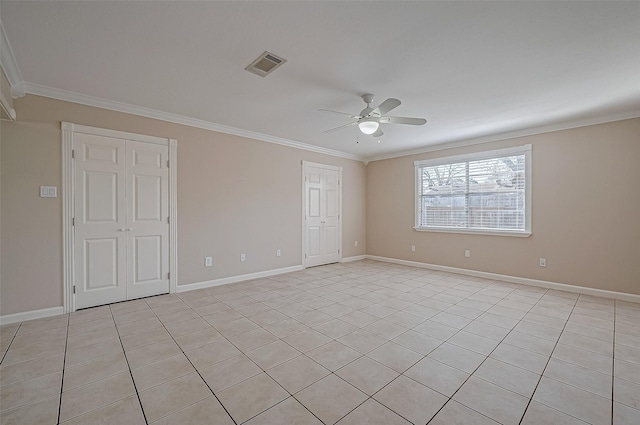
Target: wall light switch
x: 356, y: 243
x: 208, y: 261
x: 278, y: 252
x: 543, y: 262
x: 413, y: 248
x: 243, y: 257
x: 48, y: 192
x: 467, y: 253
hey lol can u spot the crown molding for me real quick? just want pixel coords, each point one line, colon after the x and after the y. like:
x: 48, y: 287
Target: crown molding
x: 567, y: 125
x: 9, y: 64
x: 68, y: 96
x: 98, y: 102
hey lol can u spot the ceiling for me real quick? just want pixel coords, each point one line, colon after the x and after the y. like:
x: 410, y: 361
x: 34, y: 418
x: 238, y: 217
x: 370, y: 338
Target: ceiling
x: 475, y: 70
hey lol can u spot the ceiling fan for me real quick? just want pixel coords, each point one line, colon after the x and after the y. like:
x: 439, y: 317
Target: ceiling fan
x: 369, y: 119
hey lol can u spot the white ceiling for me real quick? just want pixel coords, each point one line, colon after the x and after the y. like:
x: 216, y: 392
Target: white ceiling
x: 473, y: 69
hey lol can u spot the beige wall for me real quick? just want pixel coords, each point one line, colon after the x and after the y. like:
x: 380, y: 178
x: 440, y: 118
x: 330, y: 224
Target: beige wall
x: 235, y: 195
x: 585, y: 218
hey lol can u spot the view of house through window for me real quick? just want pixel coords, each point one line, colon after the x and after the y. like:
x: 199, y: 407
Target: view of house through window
x: 482, y: 192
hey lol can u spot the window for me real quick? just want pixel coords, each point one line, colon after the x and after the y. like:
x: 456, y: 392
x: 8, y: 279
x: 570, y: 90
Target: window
x: 487, y: 192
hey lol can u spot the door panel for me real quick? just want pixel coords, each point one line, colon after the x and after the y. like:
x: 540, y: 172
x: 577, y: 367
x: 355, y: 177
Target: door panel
x: 99, y: 153
x: 147, y: 198
x: 322, y: 220
x: 101, y: 270
x: 100, y: 243
x: 149, y: 259
x: 101, y: 197
x: 147, y: 181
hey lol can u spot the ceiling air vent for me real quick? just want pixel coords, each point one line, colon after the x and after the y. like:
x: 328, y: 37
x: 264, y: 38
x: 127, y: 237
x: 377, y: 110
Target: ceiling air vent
x: 265, y: 64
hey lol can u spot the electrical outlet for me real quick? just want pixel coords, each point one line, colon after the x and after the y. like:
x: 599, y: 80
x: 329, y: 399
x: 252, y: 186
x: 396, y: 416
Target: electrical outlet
x: 467, y: 253
x: 413, y: 248
x: 208, y: 261
x: 243, y: 257
x: 356, y: 243
x: 278, y: 253
x: 543, y: 262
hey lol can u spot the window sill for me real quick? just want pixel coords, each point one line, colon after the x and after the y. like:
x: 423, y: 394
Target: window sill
x: 475, y: 232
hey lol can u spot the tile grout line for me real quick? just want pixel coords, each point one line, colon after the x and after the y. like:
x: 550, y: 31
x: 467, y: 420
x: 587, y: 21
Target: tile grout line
x: 547, y: 364
x: 485, y: 359
x: 189, y: 360
x: 64, y: 362
x: 613, y: 361
x: 301, y: 354
x: 115, y: 324
x: 422, y: 358
x: 10, y: 343
x: 244, y: 354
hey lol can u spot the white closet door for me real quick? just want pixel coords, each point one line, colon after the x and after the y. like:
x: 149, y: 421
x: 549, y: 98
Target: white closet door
x: 121, y: 219
x: 322, y: 220
x: 100, y: 220
x: 147, y: 219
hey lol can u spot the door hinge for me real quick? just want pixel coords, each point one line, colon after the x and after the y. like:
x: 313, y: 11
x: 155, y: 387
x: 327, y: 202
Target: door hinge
x: 338, y: 251
x: 73, y: 222
x: 167, y: 163
x: 305, y: 255
x: 73, y: 153
x: 74, y: 289
x: 168, y: 220
x: 169, y: 275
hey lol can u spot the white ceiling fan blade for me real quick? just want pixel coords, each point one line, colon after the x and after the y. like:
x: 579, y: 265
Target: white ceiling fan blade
x: 338, y: 112
x: 331, y: 130
x: 388, y: 105
x: 403, y: 120
x: 378, y: 133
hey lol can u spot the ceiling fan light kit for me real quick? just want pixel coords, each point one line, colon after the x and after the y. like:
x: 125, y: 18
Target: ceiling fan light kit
x: 369, y: 119
x: 368, y: 126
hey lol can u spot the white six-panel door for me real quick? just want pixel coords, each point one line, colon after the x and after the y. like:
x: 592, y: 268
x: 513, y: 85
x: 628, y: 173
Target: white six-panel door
x: 121, y: 228
x: 322, y: 224
x: 147, y: 219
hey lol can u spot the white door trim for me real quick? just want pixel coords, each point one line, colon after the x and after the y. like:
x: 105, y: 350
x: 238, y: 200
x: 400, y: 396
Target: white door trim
x: 306, y: 164
x: 68, y: 202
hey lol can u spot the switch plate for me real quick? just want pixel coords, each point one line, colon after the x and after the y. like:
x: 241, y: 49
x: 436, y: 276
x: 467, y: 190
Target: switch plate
x: 543, y: 262
x: 413, y: 248
x: 208, y: 261
x: 278, y: 253
x: 467, y: 253
x: 243, y: 257
x: 48, y: 192
x: 356, y: 243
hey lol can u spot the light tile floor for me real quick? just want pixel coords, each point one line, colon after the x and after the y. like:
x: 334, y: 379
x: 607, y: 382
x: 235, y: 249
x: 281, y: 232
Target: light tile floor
x: 356, y: 343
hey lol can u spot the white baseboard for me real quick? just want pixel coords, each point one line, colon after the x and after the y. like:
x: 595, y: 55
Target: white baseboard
x: 354, y: 258
x: 234, y: 279
x: 30, y: 315
x: 514, y: 279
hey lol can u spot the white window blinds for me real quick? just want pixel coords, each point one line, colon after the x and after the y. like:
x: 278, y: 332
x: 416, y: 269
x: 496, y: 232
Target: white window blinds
x: 485, y: 192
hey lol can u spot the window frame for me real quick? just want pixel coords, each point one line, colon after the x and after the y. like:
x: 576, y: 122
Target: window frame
x: 478, y: 156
